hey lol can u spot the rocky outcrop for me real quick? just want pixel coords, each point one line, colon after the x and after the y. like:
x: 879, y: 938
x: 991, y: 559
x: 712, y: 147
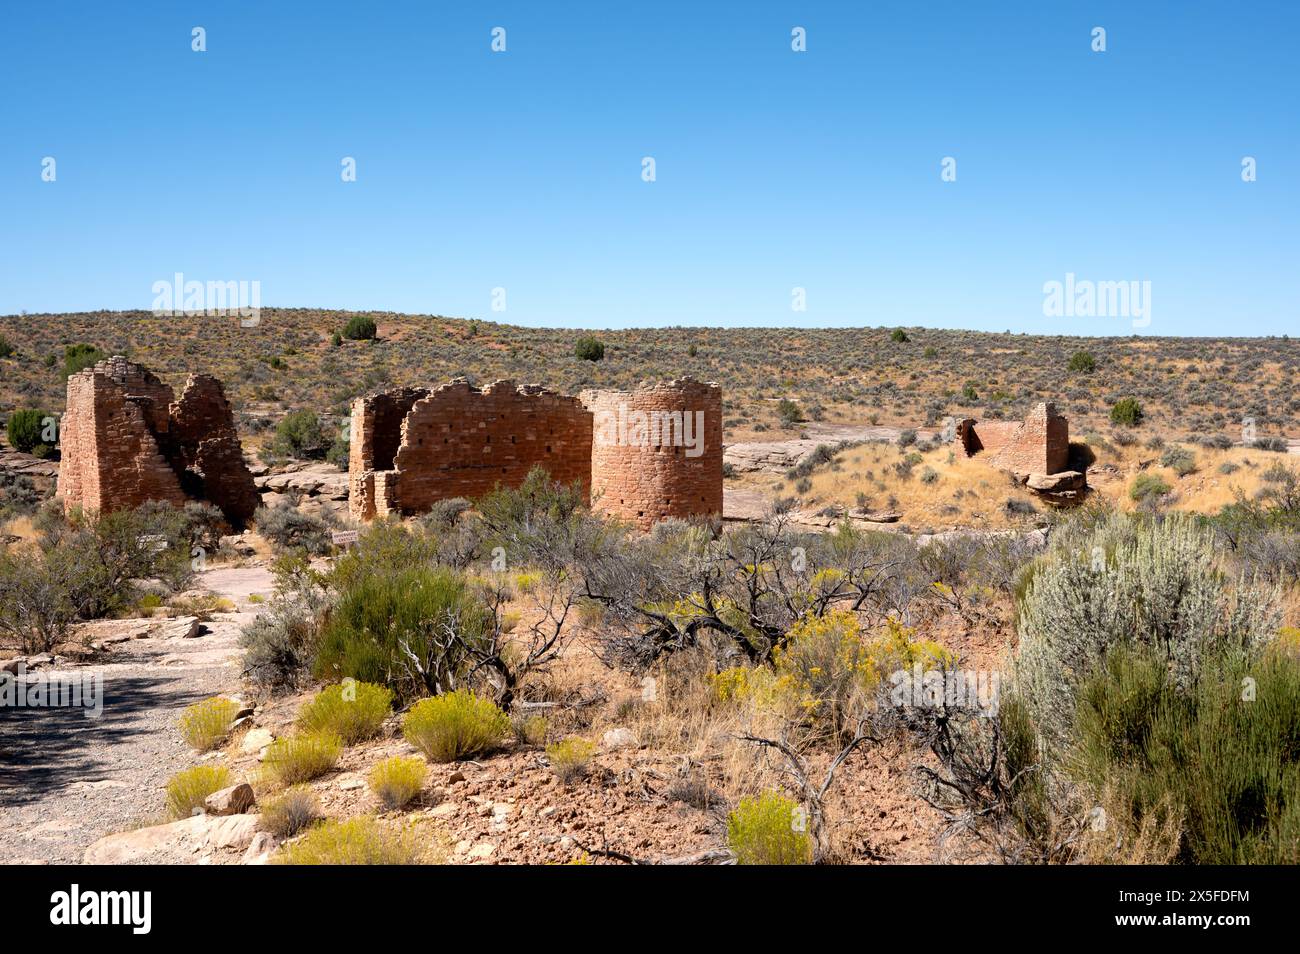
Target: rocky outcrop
x: 318, y: 488
x: 176, y: 842
x: 776, y: 457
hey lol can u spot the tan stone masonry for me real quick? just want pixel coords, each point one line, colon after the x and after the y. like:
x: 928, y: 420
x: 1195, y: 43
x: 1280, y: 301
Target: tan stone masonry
x: 412, y: 447
x: 125, y: 441
x: 1040, y: 444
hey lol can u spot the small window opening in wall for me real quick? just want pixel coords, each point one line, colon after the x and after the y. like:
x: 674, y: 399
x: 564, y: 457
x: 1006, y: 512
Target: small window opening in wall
x: 548, y: 448
x: 513, y: 439
x: 640, y: 513
x: 487, y: 438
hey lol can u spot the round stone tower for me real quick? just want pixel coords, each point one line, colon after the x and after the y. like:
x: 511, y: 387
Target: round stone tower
x: 657, y: 451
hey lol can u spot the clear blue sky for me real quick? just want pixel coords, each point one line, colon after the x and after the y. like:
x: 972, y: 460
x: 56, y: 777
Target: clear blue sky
x: 775, y: 169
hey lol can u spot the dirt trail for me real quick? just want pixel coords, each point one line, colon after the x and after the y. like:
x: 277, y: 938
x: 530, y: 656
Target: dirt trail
x: 67, y: 779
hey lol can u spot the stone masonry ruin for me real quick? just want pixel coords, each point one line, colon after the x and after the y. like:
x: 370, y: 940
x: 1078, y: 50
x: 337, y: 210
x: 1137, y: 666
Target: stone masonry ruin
x: 641, y: 455
x: 126, y: 440
x: 1036, y: 450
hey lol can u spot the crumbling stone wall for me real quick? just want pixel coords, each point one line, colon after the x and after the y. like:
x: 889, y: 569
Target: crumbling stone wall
x: 1040, y: 444
x: 375, y: 434
x: 203, y: 445
x: 124, y: 441
x: 459, y: 441
x: 412, y: 447
x: 657, y: 451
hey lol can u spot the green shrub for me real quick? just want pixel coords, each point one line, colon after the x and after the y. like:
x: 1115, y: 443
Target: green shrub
x: 1127, y: 411
x: 339, y: 452
x: 301, y: 758
x: 365, y: 840
x: 389, y: 626
x: 24, y: 428
x: 788, y: 411
x: 18, y: 495
x: 1179, y: 459
x: 1082, y: 362
x: 1214, y: 766
x: 189, y: 787
x: 354, y: 711
x: 398, y: 780
x: 762, y: 831
x: 570, y: 758
x: 300, y: 434
x: 280, y: 643
x: 205, y: 724
x: 360, y: 328
x: 1146, y: 488
x: 6, y: 349
x: 288, y: 528
x: 589, y: 348
x: 289, y: 812
x: 455, y: 725
x: 86, y: 567
x: 899, y: 336
x: 77, y: 357
x: 1130, y: 582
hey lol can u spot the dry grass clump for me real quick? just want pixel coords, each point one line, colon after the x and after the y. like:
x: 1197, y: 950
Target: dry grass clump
x: 366, y: 840
x: 570, y: 758
x: 301, y: 758
x: 397, y: 781
x: 189, y: 787
x: 354, y: 711
x: 205, y: 724
x: 289, y: 812
x: 936, y: 486
x: 455, y: 725
x: 530, y: 729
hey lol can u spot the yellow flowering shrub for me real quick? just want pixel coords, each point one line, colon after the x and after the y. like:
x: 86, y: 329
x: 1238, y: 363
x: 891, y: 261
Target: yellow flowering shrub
x: 828, y: 669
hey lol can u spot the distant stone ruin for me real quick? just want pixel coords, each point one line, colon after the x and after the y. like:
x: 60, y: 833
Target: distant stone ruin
x: 1036, y: 450
x: 641, y: 455
x: 1040, y: 444
x: 126, y: 440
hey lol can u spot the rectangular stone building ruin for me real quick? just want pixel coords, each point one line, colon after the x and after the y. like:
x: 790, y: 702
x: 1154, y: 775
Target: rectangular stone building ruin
x: 411, y: 447
x: 126, y: 440
x: 1040, y: 444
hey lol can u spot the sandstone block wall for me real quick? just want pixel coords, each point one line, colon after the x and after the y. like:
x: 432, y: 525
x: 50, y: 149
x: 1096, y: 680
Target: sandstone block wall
x: 374, y: 437
x: 412, y: 447
x: 1040, y: 444
x: 657, y: 451
x: 125, y: 441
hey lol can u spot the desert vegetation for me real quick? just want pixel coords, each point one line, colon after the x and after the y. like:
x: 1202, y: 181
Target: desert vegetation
x: 906, y: 377
x: 1038, y: 685
x: 780, y: 662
